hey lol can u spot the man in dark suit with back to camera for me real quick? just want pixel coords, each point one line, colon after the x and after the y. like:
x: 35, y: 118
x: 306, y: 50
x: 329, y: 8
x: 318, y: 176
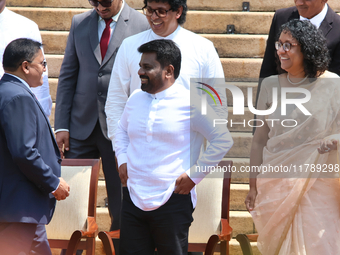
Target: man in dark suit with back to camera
x: 319, y: 14
x: 30, y: 161
x: 80, y: 121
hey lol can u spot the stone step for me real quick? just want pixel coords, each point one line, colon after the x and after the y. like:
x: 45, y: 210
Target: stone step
x: 238, y: 193
x: 239, y: 177
x: 210, y: 22
x: 228, y: 46
x: 242, y: 85
x: 235, y: 69
x: 235, y: 249
x: 235, y: 5
x: 241, y: 222
x: 241, y: 147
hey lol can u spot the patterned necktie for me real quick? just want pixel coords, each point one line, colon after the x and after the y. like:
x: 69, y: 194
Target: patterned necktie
x: 104, y: 41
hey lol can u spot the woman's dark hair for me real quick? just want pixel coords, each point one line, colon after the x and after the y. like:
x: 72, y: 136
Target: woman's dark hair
x: 175, y: 4
x: 313, y: 47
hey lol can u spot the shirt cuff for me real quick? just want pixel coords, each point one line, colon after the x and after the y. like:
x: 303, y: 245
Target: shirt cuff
x: 195, y: 174
x: 122, y: 158
x: 61, y: 129
x: 56, y: 188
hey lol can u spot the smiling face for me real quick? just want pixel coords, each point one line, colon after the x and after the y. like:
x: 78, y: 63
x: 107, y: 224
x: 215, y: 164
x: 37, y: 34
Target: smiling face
x: 163, y: 26
x: 151, y: 73
x: 35, y: 70
x: 309, y: 8
x: 109, y: 12
x: 292, y: 60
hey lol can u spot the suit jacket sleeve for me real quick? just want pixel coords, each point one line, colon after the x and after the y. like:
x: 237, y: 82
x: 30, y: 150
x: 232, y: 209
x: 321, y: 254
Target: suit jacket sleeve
x: 334, y: 66
x: 268, y: 67
x: 23, y: 134
x: 67, y: 83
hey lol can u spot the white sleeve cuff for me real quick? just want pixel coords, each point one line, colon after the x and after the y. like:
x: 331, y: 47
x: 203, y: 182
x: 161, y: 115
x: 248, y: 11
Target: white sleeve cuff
x: 61, y: 129
x: 56, y: 188
x: 195, y: 174
x: 122, y: 158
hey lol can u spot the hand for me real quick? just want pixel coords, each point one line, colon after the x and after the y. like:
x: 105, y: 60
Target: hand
x: 123, y: 174
x: 250, y: 199
x: 184, y: 184
x: 63, y: 191
x: 327, y: 146
x: 63, y: 141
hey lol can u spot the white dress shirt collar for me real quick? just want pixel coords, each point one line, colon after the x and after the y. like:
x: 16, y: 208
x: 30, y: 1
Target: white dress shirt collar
x: 317, y: 19
x: 25, y: 83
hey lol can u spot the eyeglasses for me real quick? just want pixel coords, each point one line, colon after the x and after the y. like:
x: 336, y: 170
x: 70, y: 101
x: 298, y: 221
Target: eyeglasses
x: 286, y: 46
x: 103, y: 3
x: 43, y: 63
x: 161, y: 13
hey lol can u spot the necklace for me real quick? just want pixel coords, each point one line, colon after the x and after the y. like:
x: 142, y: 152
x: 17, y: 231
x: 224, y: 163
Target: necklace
x: 296, y: 83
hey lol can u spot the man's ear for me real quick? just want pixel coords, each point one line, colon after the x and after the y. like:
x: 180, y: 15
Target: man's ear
x: 169, y: 71
x: 179, y: 12
x: 24, y: 67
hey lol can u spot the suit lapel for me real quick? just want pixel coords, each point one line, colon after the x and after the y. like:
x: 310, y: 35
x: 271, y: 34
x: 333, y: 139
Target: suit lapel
x: 326, y: 24
x: 118, y: 34
x: 93, y: 36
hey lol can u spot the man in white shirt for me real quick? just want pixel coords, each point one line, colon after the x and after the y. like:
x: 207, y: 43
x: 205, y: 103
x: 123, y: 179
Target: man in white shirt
x: 199, y: 58
x: 80, y: 121
x: 158, y: 143
x: 14, y: 26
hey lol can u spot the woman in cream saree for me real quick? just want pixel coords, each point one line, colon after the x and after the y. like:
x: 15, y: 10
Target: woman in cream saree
x: 297, y: 207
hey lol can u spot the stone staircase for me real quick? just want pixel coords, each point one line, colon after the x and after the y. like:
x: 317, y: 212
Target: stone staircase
x: 240, y: 53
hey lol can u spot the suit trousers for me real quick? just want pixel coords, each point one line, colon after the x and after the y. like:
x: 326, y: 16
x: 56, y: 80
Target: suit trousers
x: 96, y: 146
x: 165, y: 228
x: 24, y: 239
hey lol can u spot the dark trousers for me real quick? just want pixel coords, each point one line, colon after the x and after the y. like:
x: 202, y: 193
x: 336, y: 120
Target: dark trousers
x: 24, y: 239
x: 165, y: 228
x: 95, y: 146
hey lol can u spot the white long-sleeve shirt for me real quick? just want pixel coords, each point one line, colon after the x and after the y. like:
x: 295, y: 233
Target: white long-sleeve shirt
x: 159, y: 137
x: 200, y: 61
x: 14, y: 26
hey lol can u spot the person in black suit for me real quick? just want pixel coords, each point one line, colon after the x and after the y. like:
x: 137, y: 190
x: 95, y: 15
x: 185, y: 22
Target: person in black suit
x: 30, y: 160
x: 80, y: 120
x: 321, y: 15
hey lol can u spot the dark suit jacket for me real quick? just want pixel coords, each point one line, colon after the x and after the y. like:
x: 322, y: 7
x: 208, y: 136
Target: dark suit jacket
x: 29, y: 156
x: 84, y: 77
x: 330, y: 28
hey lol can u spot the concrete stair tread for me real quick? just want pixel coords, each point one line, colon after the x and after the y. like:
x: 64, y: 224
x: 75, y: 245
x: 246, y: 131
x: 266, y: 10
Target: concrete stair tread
x: 242, y: 85
x: 235, y: 69
x: 227, y: 45
x: 211, y: 22
x: 235, y: 5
